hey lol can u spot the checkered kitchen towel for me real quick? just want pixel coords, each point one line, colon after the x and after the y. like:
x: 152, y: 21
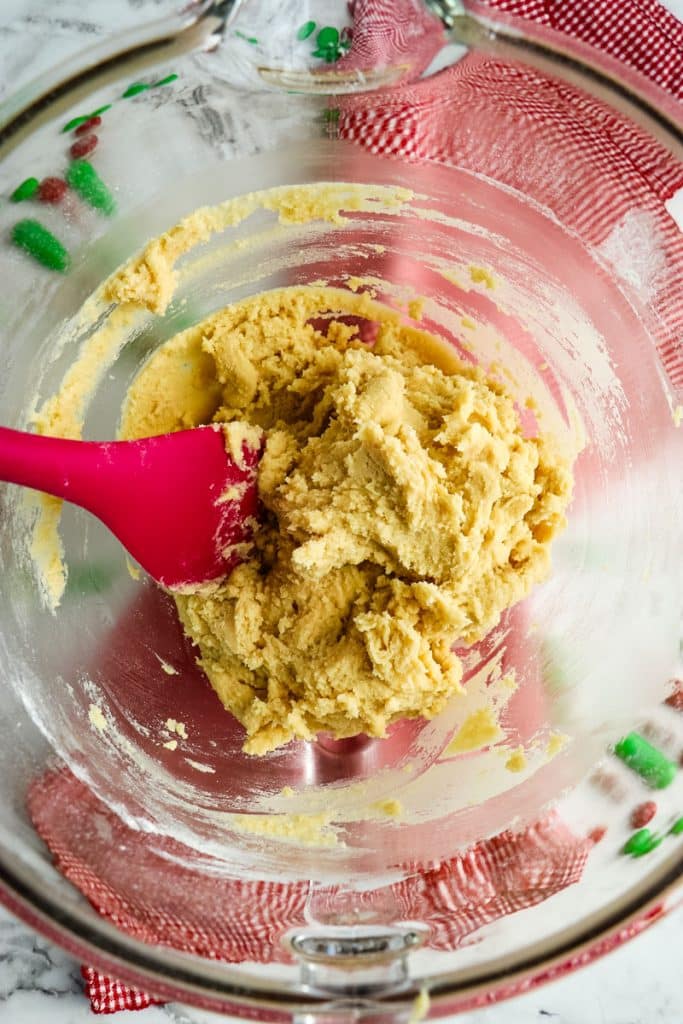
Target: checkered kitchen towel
x: 620, y: 169
x: 235, y: 921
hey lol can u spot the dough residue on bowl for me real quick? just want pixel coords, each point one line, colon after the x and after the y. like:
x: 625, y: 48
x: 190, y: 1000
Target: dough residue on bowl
x: 404, y: 506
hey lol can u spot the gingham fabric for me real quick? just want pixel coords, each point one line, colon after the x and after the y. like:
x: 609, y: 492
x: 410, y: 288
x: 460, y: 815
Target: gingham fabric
x: 399, y: 33
x: 640, y: 34
x: 109, y: 996
x: 619, y: 169
x: 236, y: 921
x: 572, y: 154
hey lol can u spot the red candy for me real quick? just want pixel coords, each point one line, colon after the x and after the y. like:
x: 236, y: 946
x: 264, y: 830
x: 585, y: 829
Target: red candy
x: 52, y: 190
x: 597, y: 834
x: 675, y: 700
x: 643, y: 813
x: 87, y: 126
x: 83, y: 146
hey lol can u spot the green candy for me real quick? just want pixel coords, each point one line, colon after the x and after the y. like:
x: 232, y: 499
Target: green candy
x: 330, y: 54
x: 167, y: 80
x: 134, y: 89
x: 644, y: 759
x: 327, y: 37
x: 100, y: 110
x: 28, y: 188
x: 641, y: 842
x: 677, y: 827
x: 306, y: 30
x: 75, y: 122
x: 37, y: 241
x: 84, y: 179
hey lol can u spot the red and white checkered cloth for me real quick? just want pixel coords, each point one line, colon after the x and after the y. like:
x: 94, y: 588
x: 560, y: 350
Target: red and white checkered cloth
x: 615, y: 168
x: 569, y: 152
x: 236, y: 921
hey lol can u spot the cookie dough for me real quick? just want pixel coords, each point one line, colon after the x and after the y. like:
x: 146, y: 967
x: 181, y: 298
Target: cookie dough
x: 404, y: 510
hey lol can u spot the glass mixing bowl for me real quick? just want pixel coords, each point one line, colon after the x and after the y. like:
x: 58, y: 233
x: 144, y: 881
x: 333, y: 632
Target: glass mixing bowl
x: 167, y: 868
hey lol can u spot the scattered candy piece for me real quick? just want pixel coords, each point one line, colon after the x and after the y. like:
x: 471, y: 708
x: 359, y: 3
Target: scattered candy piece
x: 85, y: 180
x: 52, y: 190
x: 37, y: 241
x: 93, y: 122
x: 596, y: 835
x: 134, y: 89
x: 677, y: 827
x: 75, y: 122
x: 327, y: 37
x: 28, y: 188
x: 82, y: 147
x: 675, y: 699
x: 643, y: 814
x: 306, y: 30
x: 641, y: 842
x: 328, y: 46
x: 247, y: 39
x: 652, y: 766
x: 329, y: 55
x: 167, y: 80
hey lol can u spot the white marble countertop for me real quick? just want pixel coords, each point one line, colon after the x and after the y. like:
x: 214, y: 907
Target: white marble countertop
x: 641, y: 983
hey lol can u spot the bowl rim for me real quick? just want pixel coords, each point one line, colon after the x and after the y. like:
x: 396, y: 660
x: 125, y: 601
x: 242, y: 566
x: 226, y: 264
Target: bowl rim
x: 220, y: 987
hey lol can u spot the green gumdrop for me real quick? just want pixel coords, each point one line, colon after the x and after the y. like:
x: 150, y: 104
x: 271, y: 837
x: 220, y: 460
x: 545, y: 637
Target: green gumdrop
x: 75, y: 122
x: 25, y: 190
x: 134, y: 89
x: 84, y: 179
x: 306, y: 30
x: 641, y: 842
x: 327, y: 37
x: 653, y: 767
x: 37, y: 241
x: 329, y: 54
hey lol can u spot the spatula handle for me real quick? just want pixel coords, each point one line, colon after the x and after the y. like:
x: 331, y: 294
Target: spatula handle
x: 52, y: 464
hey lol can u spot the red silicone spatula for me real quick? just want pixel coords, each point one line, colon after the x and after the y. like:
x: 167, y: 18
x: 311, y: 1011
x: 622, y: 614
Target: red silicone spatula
x: 166, y: 498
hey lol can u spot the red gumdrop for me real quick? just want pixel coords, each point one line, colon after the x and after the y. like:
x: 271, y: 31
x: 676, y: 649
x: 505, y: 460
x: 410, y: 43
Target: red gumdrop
x: 597, y: 834
x: 643, y: 813
x: 52, y: 190
x: 83, y: 146
x: 675, y: 699
x: 87, y: 126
